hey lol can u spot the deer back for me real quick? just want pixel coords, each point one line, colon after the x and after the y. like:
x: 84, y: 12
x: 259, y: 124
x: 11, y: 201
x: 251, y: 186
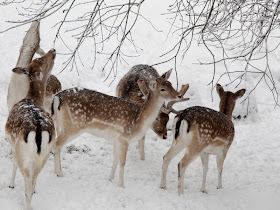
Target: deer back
x: 86, y: 108
x: 128, y: 88
x: 26, y: 117
x: 210, y: 126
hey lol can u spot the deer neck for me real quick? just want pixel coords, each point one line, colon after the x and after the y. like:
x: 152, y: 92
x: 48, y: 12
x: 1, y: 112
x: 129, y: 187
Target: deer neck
x: 37, y: 91
x: 227, y: 109
x: 151, y: 108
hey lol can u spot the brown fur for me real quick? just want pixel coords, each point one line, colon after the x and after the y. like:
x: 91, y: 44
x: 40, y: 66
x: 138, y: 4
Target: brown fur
x: 53, y: 86
x: 128, y: 88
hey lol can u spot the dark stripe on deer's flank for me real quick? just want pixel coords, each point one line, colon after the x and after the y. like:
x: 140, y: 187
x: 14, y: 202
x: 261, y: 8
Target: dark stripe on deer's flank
x: 38, y: 132
x: 52, y: 109
x: 178, y: 124
x: 177, y: 127
x: 50, y: 137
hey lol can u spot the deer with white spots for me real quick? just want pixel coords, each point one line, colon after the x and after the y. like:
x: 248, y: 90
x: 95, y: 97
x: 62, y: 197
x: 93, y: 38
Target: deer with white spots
x: 19, y: 84
x: 76, y: 111
x: 202, y: 131
x: 129, y: 89
x: 29, y: 129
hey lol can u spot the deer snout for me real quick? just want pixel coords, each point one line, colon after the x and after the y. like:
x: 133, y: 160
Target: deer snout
x: 164, y: 137
x: 52, y: 52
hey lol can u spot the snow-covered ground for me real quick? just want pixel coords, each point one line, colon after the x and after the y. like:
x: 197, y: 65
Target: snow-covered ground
x: 251, y: 170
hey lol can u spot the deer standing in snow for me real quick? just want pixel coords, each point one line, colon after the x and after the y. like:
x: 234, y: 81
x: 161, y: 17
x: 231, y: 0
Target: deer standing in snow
x: 29, y: 129
x: 129, y: 89
x: 202, y: 131
x: 19, y: 84
x: 76, y: 111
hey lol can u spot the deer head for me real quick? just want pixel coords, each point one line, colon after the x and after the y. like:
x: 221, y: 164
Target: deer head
x: 38, y: 72
x: 228, y: 99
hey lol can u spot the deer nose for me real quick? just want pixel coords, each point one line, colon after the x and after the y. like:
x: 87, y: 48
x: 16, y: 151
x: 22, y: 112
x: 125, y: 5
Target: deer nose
x: 53, y: 50
x: 164, y: 137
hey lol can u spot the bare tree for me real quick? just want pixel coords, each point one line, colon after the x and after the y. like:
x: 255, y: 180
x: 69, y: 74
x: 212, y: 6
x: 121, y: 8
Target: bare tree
x: 101, y: 21
x: 240, y: 30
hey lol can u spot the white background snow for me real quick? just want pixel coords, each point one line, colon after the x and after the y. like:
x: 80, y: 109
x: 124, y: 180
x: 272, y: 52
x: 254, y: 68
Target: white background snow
x: 251, y: 171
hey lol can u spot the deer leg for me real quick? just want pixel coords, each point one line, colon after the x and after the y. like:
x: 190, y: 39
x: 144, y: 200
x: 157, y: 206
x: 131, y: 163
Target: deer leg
x: 141, y: 145
x: 29, y: 179
x: 62, y: 139
x: 220, y: 162
x: 34, y: 182
x: 12, y: 182
x: 175, y: 149
x: 115, y: 162
x: 204, y: 160
x: 182, y: 166
x: 57, y: 162
x: 29, y: 190
x: 122, y: 147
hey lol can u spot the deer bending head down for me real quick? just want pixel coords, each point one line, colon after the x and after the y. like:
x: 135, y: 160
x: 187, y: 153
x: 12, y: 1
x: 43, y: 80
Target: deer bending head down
x: 29, y: 129
x: 122, y: 121
x: 202, y: 131
x: 129, y: 89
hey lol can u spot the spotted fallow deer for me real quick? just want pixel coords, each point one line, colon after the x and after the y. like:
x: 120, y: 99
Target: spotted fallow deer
x: 128, y: 88
x: 29, y: 129
x: 123, y: 121
x: 19, y: 84
x: 202, y: 131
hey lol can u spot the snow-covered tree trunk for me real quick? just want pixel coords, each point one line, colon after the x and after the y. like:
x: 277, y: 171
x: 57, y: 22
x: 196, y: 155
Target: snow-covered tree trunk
x: 30, y: 45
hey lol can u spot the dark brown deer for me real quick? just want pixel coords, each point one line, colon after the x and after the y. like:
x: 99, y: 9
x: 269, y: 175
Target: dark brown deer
x: 202, y: 131
x: 29, y: 129
x: 122, y: 121
x: 128, y: 88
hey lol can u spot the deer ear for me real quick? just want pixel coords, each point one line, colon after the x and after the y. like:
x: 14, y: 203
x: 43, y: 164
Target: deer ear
x: 220, y: 90
x: 166, y: 75
x: 239, y: 94
x: 153, y: 85
x: 142, y: 87
x: 20, y: 70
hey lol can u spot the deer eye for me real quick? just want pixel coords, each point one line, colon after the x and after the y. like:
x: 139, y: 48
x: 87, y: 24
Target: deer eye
x: 162, y: 89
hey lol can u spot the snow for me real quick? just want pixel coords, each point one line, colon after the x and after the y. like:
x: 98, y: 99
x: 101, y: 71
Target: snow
x: 251, y: 170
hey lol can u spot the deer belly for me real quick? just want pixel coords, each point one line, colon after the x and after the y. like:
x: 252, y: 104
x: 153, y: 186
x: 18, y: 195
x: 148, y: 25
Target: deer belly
x: 104, y: 130
x: 214, y: 150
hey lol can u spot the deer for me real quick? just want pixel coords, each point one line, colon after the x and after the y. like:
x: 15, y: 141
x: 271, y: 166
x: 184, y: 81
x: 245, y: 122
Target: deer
x: 202, y: 131
x: 128, y: 88
x: 79, y: 110
x: 29, y: 128
x: 19, y: 83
